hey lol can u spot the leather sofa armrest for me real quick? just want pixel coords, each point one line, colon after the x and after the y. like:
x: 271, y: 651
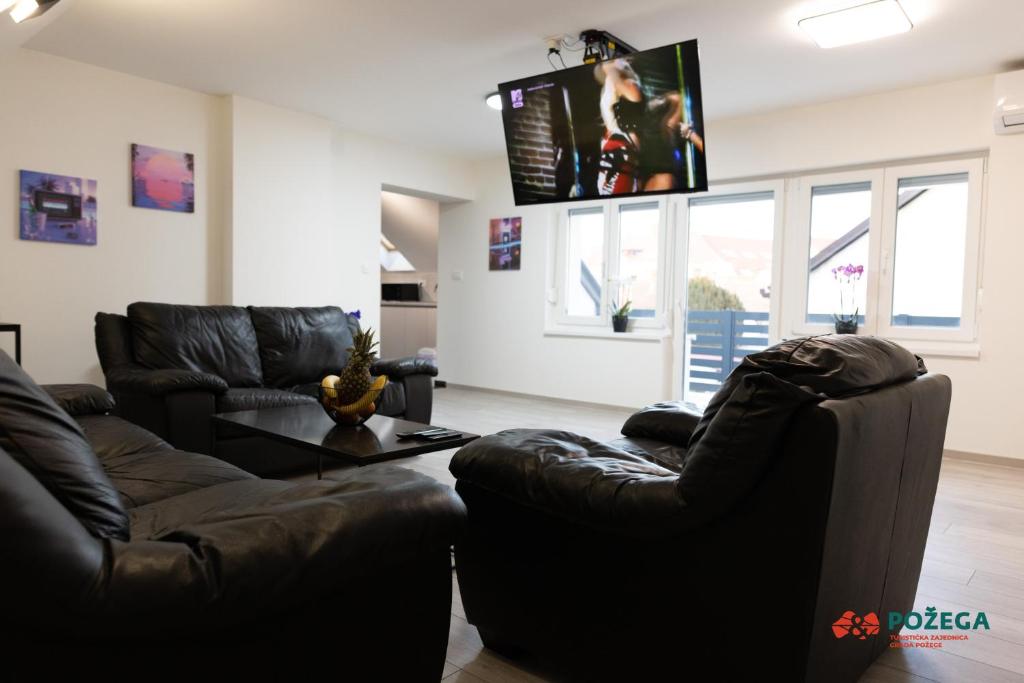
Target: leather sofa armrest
x: 137, y: 380
x: 669, y: 421
x: 81, y: 399
x: 397, y: 368
x: 576, y: 479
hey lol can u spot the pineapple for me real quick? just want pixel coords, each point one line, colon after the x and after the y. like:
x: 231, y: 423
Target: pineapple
x: 354, y: 381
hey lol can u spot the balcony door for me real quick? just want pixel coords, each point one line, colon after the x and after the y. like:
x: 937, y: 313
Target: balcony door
x: 728, y: 295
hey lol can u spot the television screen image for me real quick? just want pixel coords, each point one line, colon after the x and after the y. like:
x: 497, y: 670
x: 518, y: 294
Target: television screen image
x: 626, y: 126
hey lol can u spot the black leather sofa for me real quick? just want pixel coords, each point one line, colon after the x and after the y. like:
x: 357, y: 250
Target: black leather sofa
x: 170, y: 367
x: 718, y: 547
x: 153, y: 560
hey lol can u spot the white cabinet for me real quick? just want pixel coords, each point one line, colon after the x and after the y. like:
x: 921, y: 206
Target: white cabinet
x: 407, y: 328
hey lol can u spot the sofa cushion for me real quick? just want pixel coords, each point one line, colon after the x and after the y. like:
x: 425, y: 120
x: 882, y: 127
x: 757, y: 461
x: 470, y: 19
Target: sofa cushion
x: 144, y: 468
x: 47, y: 442
x: 111, y: 436
x: 307, y: 389
x: 573, y: 477
x: 212, y: 339
x: 740, y: 444
x: 302, y: 345
x: 144, y: 478
x: 255, y: 398
x: 245, y: 551
x: 80, y: 399
x: 836, y: 365
x: 354, y: 512
x: 669, y: 421
x: 663, y: 454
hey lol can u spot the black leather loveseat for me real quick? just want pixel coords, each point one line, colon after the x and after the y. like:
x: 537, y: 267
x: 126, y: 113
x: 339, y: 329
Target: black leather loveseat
x: 721, y: 547
x: 171, y: 367
x: 152, y: 560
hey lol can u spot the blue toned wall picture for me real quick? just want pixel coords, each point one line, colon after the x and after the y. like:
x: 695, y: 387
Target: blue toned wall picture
x: 57, y: 208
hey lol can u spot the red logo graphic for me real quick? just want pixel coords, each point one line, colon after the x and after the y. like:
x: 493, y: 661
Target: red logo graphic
x: 852, y: 625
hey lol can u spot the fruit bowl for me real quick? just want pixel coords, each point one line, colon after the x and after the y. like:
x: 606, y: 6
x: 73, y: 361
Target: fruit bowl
x: 356, y: 413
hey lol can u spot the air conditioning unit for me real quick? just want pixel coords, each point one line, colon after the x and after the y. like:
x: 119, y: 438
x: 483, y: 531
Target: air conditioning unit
x: 1008, y: 117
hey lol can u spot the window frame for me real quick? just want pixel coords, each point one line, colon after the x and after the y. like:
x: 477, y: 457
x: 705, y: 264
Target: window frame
x: 799, y: 240
x: 562, y: 316
x: 610, y: 265
x: 681, y: 208
x: 879, y: 280
x: 967, y: 331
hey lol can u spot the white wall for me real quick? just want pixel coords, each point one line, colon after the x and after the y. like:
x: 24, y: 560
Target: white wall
x: 283, y: 230
x: 362, y: 167
x: 491, y: 328
x: 64, y: 117
x: 287, y: 206
x: 491, y: 324
x: 942, y: 119
x: 306, y: 204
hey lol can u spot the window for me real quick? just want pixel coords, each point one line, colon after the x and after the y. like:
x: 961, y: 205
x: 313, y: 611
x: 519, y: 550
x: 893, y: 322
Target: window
x: 931, y: 227
x: 639, y: 234
x: 840, y: 223
x: 730, y: 256
x: 584, y: 285
x: 612, y: 252
x: 912, y: 235
x: 929, y: 252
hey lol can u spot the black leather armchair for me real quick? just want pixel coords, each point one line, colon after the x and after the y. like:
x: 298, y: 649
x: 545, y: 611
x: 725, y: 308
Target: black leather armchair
x: 117, y: 542
x: 171, y: 367
x: 714, y: 548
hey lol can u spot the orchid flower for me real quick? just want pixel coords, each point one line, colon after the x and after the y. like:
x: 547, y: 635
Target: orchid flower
x: 847, y: 277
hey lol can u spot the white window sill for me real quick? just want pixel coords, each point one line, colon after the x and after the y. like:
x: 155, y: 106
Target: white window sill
x: 939, y: 349
x: 641, y: 335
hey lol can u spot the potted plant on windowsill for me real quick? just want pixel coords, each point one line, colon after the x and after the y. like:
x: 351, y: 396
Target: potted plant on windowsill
x: 620, y: 315
x: 847, y: 276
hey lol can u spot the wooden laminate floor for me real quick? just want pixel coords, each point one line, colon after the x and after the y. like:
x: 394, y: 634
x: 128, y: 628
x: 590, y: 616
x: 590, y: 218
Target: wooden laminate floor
x: 974, y: 559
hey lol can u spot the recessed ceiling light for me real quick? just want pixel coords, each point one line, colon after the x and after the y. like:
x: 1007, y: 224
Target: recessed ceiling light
x: 494, y: 100
x: 23, y: 10
x: 857, y: 24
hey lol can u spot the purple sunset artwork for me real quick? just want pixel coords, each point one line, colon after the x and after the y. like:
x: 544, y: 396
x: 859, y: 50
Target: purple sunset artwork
x: 162, y: 179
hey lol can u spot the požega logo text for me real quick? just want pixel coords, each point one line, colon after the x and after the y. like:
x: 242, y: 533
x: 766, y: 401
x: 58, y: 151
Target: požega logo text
x: 863, y: 627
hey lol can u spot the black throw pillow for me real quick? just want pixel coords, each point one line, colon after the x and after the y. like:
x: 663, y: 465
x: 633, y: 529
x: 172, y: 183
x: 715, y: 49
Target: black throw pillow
x: 836, y: 365
x: 47, y: 442
x: 740, y: 443
x: 668, y: 421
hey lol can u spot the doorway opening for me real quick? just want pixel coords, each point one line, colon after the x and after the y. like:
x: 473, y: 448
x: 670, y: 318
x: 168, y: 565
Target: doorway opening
x: 408, y: 275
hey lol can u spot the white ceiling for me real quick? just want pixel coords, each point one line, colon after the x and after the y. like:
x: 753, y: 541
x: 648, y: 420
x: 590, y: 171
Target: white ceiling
x: 417, y: 71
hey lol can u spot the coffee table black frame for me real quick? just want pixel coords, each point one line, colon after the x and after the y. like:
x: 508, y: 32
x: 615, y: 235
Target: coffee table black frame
x: 309, y: 428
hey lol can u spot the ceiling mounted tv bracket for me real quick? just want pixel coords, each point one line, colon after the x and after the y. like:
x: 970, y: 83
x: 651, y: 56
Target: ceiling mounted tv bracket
x: 601, y: 45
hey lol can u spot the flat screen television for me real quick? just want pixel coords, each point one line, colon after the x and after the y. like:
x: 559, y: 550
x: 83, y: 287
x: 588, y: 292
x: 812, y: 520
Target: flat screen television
x: 626, y: 126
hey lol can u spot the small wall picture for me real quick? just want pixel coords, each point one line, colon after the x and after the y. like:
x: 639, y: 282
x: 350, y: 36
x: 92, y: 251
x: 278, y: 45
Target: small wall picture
x: 162, y: 179
x: 506, y: 243
x: 57, y: 208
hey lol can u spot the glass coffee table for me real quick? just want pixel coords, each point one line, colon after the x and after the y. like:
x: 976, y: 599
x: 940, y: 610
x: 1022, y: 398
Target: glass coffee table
x: 309, y: 428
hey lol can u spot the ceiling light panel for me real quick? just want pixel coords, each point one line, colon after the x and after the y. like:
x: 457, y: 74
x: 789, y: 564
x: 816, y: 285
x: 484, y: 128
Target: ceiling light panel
x: 857, y: 24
